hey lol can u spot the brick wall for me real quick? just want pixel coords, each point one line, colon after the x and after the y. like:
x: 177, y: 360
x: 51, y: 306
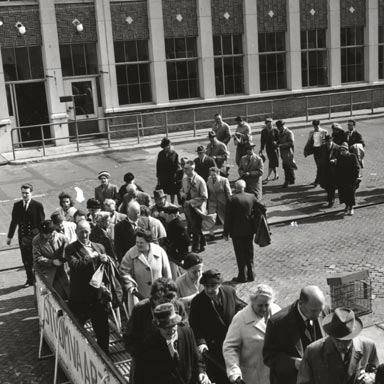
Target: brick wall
x: 313, y: 14
x: 138, y: 26
x: 352, y: 13
x: 381, y: 12
x: 66, y: 13
x: 230, y: 25
x: 29, y: 16
x: 188, y: 24
x: 268, y: 22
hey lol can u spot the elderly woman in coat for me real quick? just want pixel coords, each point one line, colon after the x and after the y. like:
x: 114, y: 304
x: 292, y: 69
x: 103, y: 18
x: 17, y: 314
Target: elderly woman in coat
x: 243, y: 345
x: 143, y: 264
x: 219, y: 191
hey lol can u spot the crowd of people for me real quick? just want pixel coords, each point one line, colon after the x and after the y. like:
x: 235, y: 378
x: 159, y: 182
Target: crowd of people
x: 184, y: 325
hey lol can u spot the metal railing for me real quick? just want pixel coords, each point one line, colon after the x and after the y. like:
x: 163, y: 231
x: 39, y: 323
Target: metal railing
x: 140, y: 126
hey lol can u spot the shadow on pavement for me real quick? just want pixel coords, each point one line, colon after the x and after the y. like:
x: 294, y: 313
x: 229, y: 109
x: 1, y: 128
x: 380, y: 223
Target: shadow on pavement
x: 8, y: 290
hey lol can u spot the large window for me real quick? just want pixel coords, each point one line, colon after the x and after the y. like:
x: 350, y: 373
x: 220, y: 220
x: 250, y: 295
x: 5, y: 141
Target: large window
x: 23, y: 63
x: 272, y: 57
x: 182, y: 71
x: 78, y: 59
x: 314, y: 61
x: 228, y: 51
x: 132, y: 71
x: 381, y: 52
x: 352, y: 54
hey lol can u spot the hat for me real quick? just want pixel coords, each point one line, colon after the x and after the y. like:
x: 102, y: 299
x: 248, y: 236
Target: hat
x: 249, y: 146
x: 315, y: 122
x: 280, y: 123
x: 268, y: 120
x: 93, y: 204
x: 47, y: 226
x: 200, y: 149
x: 211, y: 134
x: 191, y: 260
x: 238, y: 119
x: 212, y: 276
x: 344, y: 146
x: 342, y: 324
x: 165, y: 316
x: 327, y: 137
x: 171, y: 208
x: 104, y: 173
x: 159, y: 194
x: 165, y: 142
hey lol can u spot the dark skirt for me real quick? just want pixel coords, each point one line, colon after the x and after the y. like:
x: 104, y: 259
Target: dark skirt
x: 347, y: 195
x: 273, y: 158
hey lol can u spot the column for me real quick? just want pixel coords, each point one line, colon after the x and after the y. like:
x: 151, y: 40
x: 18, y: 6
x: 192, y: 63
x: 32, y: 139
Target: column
x: 205, y: 50
x: 371, y: 41
x: 333, y: 43
x: 157, y: 53
x: 293, y: 46
x: 106, y: 56
x: 53, y: 74
x: 251, y: 49
x: 5, y: 121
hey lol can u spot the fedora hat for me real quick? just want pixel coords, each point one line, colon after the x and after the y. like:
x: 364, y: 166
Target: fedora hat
x: 165, y: 316
x: 171, y: 208
x: 342, y: 324
x: 249, y: 146
x: 280, y: 123
x: 212, y: 276
x: 159, y: 194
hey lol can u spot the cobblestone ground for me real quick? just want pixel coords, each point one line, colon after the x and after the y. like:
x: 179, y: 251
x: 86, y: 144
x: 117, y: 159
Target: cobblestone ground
x: 308, y: 253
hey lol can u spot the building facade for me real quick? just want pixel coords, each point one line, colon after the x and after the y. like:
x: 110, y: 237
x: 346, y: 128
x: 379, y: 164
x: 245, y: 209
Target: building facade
x: 116, y: 57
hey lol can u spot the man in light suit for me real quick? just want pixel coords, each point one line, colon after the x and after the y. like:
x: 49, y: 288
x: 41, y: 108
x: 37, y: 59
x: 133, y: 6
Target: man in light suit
x: 27, y: 215
x: 106, y: 190
x: 239, y: 224
x: 290, y: 331
x: 343, y: 357
x: 251, y: 171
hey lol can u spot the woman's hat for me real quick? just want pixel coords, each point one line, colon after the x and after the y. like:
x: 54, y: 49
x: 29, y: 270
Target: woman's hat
x: 165, y: 316
x: 342, y: 324
x: 165, y: 142
x: 344, y: 146
x: 104, y: 173
x: 212, y: 276
x: 191, y: 260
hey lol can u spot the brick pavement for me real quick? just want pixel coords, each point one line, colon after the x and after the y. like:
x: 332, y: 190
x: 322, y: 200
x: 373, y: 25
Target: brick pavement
x: 307, y: 253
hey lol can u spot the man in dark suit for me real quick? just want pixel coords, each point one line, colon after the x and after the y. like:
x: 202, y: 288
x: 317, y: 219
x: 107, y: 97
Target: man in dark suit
x: 290, y: 331
x: 84, y: 258
x: 211, y: 314
x: 342, y: 357
x: 239, y: 224
x: 168, y: 354
x: 352, y: 136
x: 203, y: 163
x: 27, y: 215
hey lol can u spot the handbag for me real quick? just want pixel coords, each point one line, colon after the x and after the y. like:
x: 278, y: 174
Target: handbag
x: 263, y: 233
x: 97, y: 277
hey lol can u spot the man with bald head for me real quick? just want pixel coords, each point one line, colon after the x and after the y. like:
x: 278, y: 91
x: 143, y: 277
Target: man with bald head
x: 84, y: 258
x: 240, y: 226
x: 290, y: 331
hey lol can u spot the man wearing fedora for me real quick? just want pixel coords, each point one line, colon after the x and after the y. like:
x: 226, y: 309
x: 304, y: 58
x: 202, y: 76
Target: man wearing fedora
x: 219, y: 152
x: 203, y: 163
x: 169, y: 355
x: 343, y: 357
x: 106, y: 190
x: 242, y: 135
x: 211, y: 314
x: 286, y: 144
x: 251, y: 171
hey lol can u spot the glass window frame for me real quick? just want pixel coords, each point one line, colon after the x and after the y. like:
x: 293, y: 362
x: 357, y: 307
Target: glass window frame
x: 381, y: 52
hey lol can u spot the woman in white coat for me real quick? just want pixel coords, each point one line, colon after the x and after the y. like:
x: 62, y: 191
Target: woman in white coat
x: 243, y: 345
x: 143, y: 264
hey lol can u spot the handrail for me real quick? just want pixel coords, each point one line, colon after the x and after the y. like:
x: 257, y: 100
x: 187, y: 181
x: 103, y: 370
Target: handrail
x: 135, y: 126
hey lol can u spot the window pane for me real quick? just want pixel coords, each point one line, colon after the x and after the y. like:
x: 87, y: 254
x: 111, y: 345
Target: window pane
x: 193, y: 88
x: 280, y: 41
x: 183, y: 89
x: 191, y: 47
x: 237, y: 44
x: 134, y: 94
x: 381, y: 35
x: 227, y: 44
x: 169, y: 48
x: 172, y: 90
x: 121, y: 74
x: 119, y: 51
x: 192, y: 70
x: 78, y: 59
x: 180, y: 48
x: 142, y: 50
x: 66, y: 60
x: 122, y: 90
x: 9, y: 64
x: 303, y: 39
x: 181, y: 70
x: 217, y: 45
x: 133, y: 74
x: 270, y: 42
x: 359, y: 36
x: 9, y: 99
x: 130, y: 51
x: 22, y: 62
x: 262, y: 47
x: 36, y: 61
x: 144, y: 73
x: 312, y: 39
x: 91, y: 57
x: 321, y: 38
x: 146, y: 94
x: 171, y: 71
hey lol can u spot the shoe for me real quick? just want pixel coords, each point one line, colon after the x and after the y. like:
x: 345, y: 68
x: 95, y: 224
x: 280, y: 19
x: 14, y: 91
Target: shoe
x: 285, y: 185
x: 251, y: 278
x: 315, y: 184
x: 265, y: 181
x: 28, y: 284
x: 292, y: 182
x: 238, y: 280
x: 330, y: 204
x: 211, y: 237
x: 276, y: 177
x: 351, y: 212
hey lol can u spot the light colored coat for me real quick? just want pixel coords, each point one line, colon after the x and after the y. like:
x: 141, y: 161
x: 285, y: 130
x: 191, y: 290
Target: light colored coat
x: 243, y: 345
x: 142, y: 270
x: 218, y: 194
x: 254, y: 165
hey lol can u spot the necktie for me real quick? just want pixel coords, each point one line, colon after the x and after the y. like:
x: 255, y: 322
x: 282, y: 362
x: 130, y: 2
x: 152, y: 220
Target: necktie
x: 347, y: 358
x: 310, y: 330
x: 25, y: 206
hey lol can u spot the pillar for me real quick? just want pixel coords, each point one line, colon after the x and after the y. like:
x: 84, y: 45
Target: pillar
x: 5, y: 121
x: 371, y: 41
x: 333, y: 43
